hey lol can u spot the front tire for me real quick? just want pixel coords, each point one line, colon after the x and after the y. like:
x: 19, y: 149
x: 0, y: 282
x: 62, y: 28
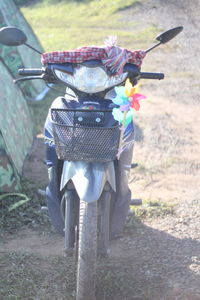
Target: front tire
x: 87, y: 256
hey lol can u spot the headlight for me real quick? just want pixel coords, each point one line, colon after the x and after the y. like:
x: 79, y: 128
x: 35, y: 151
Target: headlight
x: 90, y: 80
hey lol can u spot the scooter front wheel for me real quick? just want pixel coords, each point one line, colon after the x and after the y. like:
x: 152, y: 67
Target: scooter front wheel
x: 87, y: 256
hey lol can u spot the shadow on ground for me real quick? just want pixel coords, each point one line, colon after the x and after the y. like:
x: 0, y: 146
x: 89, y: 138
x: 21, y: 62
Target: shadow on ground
x: 153, y: 264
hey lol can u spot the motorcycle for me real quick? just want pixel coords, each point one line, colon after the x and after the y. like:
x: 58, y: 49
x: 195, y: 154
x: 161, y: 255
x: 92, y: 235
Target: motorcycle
x: 89, y: 150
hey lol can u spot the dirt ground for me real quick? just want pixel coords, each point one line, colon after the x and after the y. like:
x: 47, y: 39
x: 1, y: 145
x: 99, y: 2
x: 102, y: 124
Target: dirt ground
x: 160, y: 254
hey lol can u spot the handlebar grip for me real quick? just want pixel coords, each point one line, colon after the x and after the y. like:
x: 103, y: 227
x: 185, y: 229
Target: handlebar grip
x: 30, y: 72
x: 147, y: 75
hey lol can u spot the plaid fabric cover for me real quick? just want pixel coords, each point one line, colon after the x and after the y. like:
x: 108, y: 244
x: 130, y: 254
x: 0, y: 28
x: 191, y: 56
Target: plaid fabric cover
x: 114, y: 58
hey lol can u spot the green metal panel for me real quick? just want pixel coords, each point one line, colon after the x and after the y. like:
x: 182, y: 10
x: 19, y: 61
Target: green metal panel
x: 9, y: 179
x: 15, y: 122
x: 16, y: 127
x: 22, y: 56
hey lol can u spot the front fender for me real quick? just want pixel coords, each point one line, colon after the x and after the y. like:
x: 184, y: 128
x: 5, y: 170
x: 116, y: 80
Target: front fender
x: 88, y: 178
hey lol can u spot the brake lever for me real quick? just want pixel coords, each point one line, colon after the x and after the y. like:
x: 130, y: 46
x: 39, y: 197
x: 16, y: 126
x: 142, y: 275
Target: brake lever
x: 27, y: 78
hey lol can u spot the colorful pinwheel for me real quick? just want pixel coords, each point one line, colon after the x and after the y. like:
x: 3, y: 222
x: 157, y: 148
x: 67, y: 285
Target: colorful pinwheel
x: 128, y: 99
x: 133, y: 96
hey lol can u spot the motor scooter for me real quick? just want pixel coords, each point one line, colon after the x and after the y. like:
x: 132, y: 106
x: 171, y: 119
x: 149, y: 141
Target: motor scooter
x: 89, y: 137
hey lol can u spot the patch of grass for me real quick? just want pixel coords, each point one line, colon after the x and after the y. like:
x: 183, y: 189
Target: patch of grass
x: 115, y: 279
x: 28, y: 276
x: 77, y: 24
x: 152, y: 209
x: 21, y: 276
x: 26, y: 215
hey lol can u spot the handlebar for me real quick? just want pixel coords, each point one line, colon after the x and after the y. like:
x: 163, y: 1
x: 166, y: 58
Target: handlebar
x: 147, y: 75
x: 31, y: 72
x: 134, y: 72
x: 46, y: 74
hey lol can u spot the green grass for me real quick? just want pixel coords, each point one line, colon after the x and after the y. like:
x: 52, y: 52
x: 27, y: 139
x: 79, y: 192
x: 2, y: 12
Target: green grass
x: 152, y: 209
x: 67, y: 25
x: 29, y: 276
x: 27, y: 215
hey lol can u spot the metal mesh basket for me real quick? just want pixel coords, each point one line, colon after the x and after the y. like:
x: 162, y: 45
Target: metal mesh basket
x: 87, y: 135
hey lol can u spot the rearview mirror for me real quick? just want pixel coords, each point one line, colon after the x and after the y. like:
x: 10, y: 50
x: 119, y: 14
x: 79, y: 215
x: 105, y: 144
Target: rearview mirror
x: 12, y: 36
x: 169, y: 34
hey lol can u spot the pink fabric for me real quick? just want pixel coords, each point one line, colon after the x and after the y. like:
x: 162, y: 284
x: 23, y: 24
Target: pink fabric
x: 114, y: 58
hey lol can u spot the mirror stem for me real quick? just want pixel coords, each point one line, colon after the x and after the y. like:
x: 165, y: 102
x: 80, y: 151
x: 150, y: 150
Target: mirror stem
x: 151, y: 48
x: 32, y: 48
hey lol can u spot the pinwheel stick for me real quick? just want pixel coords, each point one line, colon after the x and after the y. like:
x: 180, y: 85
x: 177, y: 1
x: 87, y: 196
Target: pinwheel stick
x: 121, y: 135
